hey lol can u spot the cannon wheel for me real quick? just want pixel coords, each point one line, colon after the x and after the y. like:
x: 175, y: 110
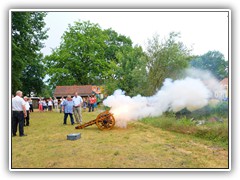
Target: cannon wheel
x: 105, y: 120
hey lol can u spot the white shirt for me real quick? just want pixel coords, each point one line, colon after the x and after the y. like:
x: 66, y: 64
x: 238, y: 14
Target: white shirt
x: 55, y: 101
x: 62, y: 101
x: 50, y: 103
x: 27, y: 106
x: 77, y: 100
x: 17, y: 103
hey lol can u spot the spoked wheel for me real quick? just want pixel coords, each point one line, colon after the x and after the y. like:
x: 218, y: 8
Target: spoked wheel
x: 105, y: 121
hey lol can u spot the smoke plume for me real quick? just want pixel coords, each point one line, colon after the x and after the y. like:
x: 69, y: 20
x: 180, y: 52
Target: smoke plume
x: 191, y: 93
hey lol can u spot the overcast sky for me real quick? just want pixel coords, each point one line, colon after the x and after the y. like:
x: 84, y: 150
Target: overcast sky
x: 201, y: 31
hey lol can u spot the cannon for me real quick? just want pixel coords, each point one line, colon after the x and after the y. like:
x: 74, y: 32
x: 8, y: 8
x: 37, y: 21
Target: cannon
x: 104, y: 120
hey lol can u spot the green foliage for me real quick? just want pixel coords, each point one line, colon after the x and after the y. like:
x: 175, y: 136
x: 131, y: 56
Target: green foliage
x: 46, y: 91
x: 204, y: 112
x: 213, y: 61
x: 130, y: 72
x: 32, y: 77
x: 27, y: 35
x: 166, y: 60
x: 85, y: 55
x: 220, y: 109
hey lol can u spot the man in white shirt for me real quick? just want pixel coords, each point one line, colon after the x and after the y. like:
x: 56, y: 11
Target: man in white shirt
x: 27, y: 105
x: 18, y: 114
x: 77, y: 101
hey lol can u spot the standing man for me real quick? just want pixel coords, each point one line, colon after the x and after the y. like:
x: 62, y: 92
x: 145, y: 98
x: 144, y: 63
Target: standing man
x: 18, y: 114
x: 77, y: 101
x: 67, y: 108
x: 26, y: 119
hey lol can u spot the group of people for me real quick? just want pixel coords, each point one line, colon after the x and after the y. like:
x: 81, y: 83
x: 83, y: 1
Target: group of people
x: 47, y: 104
x: 90, y: 102
x: 73, y: 105
x: 21, y: 108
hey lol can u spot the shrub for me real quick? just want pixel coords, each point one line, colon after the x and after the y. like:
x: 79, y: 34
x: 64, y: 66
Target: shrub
x: 221, y: 109
x: 204, y: 112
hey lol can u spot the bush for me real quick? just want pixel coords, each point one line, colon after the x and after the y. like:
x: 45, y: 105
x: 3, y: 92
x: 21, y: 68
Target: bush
x: 204, y: 112
x: 221, y: 109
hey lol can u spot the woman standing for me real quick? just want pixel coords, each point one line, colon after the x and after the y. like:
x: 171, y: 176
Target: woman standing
x: 40, y: 105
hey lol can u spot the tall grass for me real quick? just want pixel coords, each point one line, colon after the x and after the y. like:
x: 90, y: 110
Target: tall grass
x: 216, y: 132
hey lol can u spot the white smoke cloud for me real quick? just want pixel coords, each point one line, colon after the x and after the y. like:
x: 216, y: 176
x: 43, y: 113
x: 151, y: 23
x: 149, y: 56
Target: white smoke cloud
x: 207, y: 77
x: 190, y: 93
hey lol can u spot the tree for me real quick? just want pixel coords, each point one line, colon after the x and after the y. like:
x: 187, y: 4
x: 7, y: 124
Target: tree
x: 213, y: 61
x: 130, y: 72
x: 32, y: 77
x: 165, y: 60
x: 84, y: 55
x: 27, y: 35
x: 47, y: 91
x: 115, y: 43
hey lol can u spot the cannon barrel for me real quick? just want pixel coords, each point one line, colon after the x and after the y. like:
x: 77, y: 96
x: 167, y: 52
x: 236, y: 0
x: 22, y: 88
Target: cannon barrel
x: 104, y: 120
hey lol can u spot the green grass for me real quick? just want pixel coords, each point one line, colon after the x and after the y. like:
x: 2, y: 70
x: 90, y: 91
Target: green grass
x: 215, y: 132
x: 140, y: 145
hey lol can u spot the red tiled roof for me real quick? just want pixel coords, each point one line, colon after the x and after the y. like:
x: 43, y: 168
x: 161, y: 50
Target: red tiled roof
x: 70, y: 90
x: 224, y: 81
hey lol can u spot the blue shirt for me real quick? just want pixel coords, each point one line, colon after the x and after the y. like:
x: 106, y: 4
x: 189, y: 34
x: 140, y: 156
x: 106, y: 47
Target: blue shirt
x: 68, y: 106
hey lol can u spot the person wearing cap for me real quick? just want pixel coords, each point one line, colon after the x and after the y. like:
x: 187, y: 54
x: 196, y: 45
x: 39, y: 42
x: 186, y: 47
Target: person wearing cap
x: 18, y: 114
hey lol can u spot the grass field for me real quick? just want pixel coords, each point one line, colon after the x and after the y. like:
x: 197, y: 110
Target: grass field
x: 140, y: 145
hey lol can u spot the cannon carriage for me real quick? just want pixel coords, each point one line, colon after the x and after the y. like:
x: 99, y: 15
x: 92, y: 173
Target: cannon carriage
x: 104, y: 121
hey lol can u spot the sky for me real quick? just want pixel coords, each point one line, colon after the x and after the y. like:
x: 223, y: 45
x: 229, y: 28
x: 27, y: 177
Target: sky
x: 199, y: 31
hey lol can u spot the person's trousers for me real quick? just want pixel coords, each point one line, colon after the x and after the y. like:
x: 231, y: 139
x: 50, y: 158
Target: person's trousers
x: 77, y: 114
x: 18, y: 119
x: 65, y: 118
x: 56, y: 108
x: 91, y: 107
x: 27, y: 119
x: 31, y: 108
